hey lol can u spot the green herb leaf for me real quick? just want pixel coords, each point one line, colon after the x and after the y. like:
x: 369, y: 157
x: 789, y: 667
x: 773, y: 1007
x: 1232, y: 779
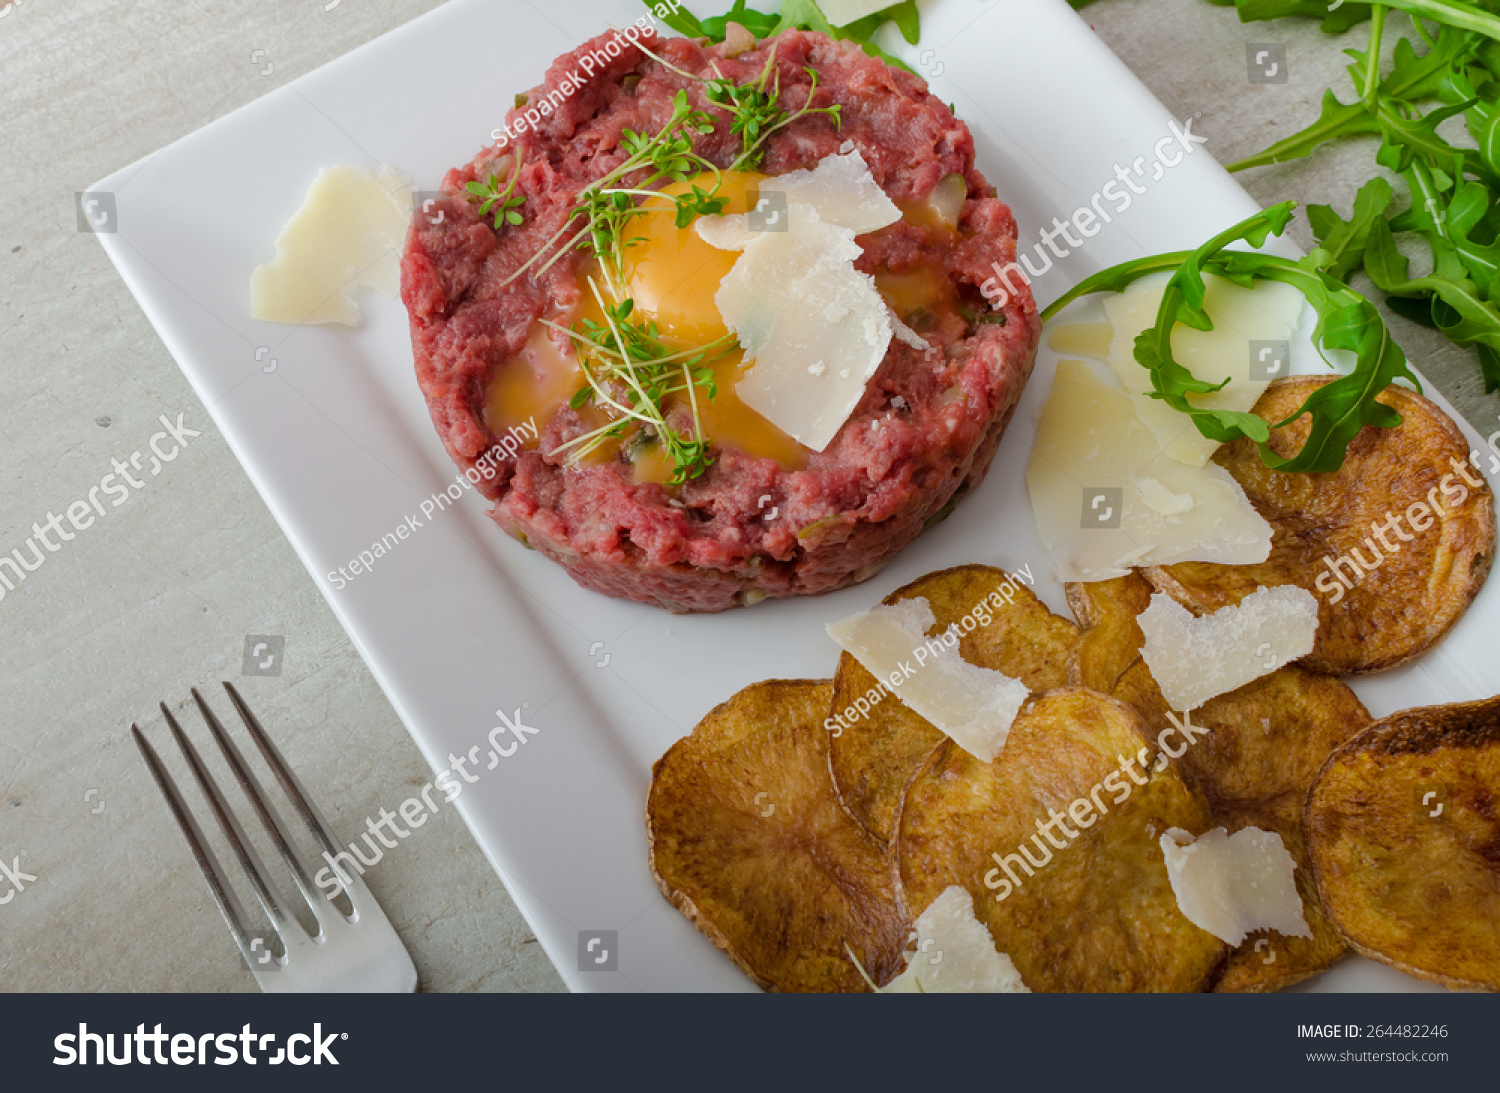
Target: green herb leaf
x: 502, y: 201
x: 1344, y: 240
x: 682, y: 21
x: 758, y: 23
x: 1458, y: 307
x: 905, y: 15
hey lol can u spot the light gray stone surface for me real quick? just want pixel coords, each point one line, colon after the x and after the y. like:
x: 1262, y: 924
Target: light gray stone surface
x: 159, y: 595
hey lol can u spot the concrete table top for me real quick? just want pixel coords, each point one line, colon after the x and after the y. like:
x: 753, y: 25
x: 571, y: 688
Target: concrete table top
x: 162, y: 596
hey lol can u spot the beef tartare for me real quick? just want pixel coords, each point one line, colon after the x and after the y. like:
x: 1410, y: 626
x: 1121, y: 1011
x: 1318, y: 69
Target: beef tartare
x: 682, y: 496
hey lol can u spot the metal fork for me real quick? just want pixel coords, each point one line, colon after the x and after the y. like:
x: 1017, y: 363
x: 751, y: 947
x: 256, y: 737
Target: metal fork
x: 351, y: 953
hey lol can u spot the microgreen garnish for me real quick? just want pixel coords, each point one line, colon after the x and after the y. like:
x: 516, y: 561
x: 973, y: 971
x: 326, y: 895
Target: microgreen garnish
x: 505, y: 203
x: 1346, y: 320
x: 607, y: 206
x: 632, y: 373
x: 755, y: 108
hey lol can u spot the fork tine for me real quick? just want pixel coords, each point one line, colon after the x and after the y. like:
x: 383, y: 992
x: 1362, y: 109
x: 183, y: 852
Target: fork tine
x: 290, y: 783
x: 265, y: 888
x: 269, y: 817
x: 208, y: 862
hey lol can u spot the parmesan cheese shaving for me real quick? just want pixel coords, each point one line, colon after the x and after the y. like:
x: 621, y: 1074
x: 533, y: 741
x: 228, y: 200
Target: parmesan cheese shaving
x: 974, y: 706
x: 1106, y: 497
x: 1195, y: 659
x: 814, y: 329
x: 955, y: 954
x: 1234, y: 885
x: 349, y: 232
x: 843, y: 12
x: 907, y: 335
x: 1163, y: 501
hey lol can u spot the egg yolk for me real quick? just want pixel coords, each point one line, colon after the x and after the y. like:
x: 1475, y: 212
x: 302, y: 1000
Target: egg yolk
x: 671, y: 273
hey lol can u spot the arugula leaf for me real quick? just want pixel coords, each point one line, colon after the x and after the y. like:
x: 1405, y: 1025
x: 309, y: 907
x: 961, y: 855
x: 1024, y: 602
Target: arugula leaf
x: 1407, y: 138
x: 1412, y: 79
x: 905, y: 15
x: 1458, y: 308
x: 681, y: 20
x: 803, y: 15
x: 1336, y: 121
x: 758, y: 23
x: 1335, y: 21
x: 806, y: 15
x: 1344, y: 240
x: 1346, y: 321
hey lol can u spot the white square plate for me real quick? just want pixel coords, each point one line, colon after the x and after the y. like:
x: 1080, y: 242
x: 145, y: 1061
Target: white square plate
x: 459, y: 621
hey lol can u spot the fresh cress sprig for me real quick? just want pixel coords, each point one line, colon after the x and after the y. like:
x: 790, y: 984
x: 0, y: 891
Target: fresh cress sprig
x: 607, y: 207
x: 1346, y: 320
x: 755, y: 109
x: 504, y: 204
x: 633, y: 373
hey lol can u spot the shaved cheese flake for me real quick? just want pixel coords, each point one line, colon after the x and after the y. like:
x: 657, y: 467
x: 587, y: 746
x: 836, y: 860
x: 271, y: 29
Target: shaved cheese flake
x: 974, y: 706
x: 1267, y: 312
x: 1107, y: 498
x: 814, y: 329
x: 842, y: 191
x: 349, y: 232
x: 795, y: 300
x: 1194, y: 659
x: 843, y: 12
x: 1161, y: 500
x: 907, y: 335
x: 1234, y: 885
x: 955, y: 954
x: 1087, y: 339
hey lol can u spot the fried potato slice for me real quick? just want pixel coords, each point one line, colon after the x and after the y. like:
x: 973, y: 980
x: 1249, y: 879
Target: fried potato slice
x: 749, y: 842
x: 1096, y: 913
x: 1262, y: 749
x: 875, y: 755
x: 1111, y: 638
x: 1405, y: 585
x: 1404, y: 828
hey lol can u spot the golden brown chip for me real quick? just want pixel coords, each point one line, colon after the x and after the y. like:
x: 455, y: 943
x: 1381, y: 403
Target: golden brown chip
x: 1404, y: 828
x: 748, y: 840
x: 1260, y: 750
x: 875, y: 754
x: 1395, y: 544
x: 1082, y: 908
x: 1111, y: 638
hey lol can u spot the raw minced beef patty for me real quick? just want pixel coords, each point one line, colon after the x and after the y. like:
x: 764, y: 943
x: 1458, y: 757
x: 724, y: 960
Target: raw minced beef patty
x: 926, y: 429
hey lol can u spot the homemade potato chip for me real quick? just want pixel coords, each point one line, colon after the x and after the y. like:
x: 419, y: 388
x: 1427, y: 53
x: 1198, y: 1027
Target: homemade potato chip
x: 1111, y: 639
x: 1083, y: 908
x: 749, y: 841
x: 1404, y: 828
x: 876, y: 753
x: 1395, y: 544
x: 1255, y: 753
